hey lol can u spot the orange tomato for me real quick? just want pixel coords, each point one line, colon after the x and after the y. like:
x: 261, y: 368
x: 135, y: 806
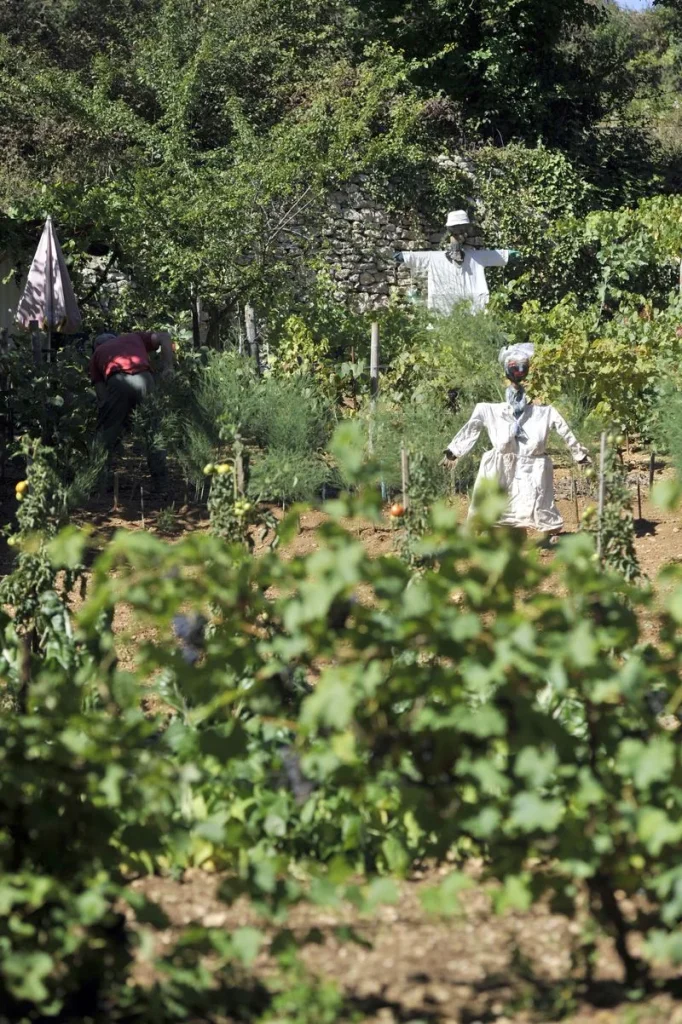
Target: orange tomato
x: 397, y: 510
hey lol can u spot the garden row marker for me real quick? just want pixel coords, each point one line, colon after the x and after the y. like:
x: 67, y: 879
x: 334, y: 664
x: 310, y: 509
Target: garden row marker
x: 602, y: 488
x: 405, y: 473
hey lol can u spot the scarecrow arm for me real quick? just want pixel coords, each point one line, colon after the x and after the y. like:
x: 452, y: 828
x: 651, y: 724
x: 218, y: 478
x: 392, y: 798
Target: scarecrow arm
x: 577, y: 450
x: 468, y: 435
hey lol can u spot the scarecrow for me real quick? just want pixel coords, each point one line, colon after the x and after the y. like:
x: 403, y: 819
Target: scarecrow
x: 518, y: 432
x: 456, y: 274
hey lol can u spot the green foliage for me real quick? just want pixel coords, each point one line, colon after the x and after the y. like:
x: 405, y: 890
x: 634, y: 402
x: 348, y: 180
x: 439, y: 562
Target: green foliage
x: 614, y: 530
x: 429, y: 728
x: 523, y: 195
x: 616, y: 365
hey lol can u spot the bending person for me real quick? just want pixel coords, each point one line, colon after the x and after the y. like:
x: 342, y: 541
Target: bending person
x: 518, y: 432
x: 120, y: 369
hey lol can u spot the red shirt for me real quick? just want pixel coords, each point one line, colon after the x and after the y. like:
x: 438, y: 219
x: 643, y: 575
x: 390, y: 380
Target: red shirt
x: 129, y: 353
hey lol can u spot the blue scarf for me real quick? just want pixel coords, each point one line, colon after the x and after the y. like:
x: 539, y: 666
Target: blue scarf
x: 517, y: 399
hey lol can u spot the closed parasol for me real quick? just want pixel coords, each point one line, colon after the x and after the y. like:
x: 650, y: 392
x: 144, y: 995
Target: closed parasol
x: 48, y: 295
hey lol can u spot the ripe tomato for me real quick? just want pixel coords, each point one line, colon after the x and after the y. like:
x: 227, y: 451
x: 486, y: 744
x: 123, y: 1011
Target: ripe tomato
x: 397, y: 510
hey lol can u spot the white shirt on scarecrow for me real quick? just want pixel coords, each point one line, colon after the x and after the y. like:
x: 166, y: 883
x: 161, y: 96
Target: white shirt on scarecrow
x: 519, y: 463
x: 518, y: 460
x: 450, y: 282
x: 457, y: 274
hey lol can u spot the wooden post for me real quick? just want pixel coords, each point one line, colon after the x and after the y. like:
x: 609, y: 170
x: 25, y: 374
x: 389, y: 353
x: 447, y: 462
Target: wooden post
x: 251, y: 334
x: 652, y: 467
x: 405, y: 473
x: 374, y: 362
x: 35, y: 343
x: 196, y: 321
x: 602, y: 490
x: 575, y: 498
x: 680, y: 277
x: 142, y: 504
x: 239, y: 482
x: 353, y: 382
x: 116, y: 486
x: 639, y: 498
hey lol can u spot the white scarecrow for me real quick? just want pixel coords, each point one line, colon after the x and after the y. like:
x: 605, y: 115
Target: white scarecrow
x: 518, y: 432
x: 456, y: 274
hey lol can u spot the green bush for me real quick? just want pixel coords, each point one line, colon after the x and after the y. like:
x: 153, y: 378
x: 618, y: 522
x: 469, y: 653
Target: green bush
x: 466, y: 708
x: 285, y: 420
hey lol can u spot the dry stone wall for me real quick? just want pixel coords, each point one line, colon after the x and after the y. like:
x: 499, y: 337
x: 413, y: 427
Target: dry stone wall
x: 359, y: 241
x: 360, y: 235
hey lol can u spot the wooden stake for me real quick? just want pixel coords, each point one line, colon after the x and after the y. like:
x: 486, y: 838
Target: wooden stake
x: 239, y: 481
x: 575, y: 498
x: 652, y: 467
x: 251, y: 334
x: 639, y: 498
x: 142, y: 504
x: 116, y: 485
x: 602, y: 490
x: 405, y: 473
x: 374, y: 362
x: 36, y: 345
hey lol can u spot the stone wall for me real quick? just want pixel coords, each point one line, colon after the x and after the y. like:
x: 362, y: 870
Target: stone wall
x: 359, y: 239
x: 360, y: 235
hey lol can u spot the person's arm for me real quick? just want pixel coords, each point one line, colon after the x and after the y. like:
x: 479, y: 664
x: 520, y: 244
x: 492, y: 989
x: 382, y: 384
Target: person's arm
x: 467, y: 437
x: 163, y: 340
x: 577, y: 450
x: 97, y: 378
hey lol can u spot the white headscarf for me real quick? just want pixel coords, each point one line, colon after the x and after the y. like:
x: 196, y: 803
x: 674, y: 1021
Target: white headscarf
x: 516, y: 393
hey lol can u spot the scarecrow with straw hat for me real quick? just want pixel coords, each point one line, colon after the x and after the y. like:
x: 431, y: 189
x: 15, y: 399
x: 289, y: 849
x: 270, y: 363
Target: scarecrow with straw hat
x: 456, y: 274
x: 518, y: 460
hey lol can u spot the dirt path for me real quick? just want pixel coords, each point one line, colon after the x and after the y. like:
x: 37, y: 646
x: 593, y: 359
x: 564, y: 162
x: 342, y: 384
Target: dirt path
x: 475, y: 968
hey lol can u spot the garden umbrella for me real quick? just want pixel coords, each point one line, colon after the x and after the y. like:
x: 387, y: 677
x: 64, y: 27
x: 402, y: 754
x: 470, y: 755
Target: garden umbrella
x: 48, y: 295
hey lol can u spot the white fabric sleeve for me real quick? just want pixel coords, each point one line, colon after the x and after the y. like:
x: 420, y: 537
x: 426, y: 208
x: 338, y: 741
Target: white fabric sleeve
x: 558, y: 423
x: 418, y: 260
x: 467, y: 437
x: 491, y: 257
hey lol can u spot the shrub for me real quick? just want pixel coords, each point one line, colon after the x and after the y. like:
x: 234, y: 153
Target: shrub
x: 429, y: 730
